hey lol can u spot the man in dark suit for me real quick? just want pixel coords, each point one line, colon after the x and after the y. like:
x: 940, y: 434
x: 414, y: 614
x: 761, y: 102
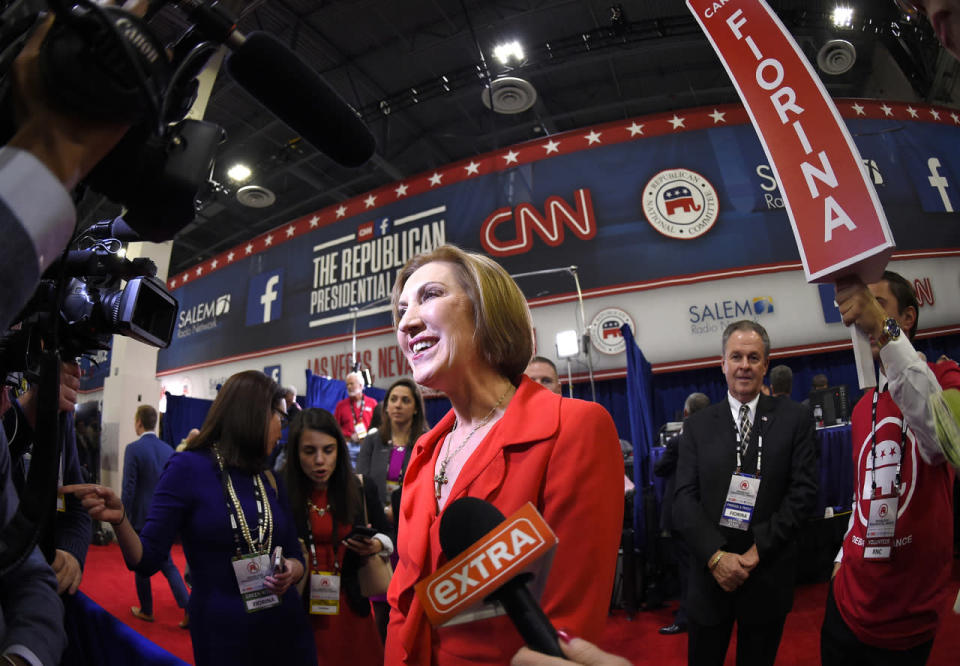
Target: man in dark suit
x: 143, y: 462
x: 746, y: 480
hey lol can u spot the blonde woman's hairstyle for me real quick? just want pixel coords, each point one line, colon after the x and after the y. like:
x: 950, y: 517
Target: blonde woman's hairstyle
x: 503, y: 327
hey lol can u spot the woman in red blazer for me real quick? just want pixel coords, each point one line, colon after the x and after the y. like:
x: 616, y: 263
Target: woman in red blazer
x: 465, y: 329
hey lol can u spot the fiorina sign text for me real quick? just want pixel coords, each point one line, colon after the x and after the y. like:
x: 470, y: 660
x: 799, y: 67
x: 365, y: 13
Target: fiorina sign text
x: 837, y: 220
x: 515, y: 546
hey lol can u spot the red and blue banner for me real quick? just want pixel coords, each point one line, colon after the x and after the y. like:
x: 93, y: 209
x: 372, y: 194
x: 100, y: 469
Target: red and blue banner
x: 629, y: 203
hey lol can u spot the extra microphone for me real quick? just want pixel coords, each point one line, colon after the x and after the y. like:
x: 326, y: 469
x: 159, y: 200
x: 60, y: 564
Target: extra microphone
x: 295, y: 93
x: 469, y: 521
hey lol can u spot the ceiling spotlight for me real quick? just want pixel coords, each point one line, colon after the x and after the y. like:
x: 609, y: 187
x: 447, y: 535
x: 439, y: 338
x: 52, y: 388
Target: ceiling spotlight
x: 239, y: 173
x: 843, y: 16
x: 508, y: 52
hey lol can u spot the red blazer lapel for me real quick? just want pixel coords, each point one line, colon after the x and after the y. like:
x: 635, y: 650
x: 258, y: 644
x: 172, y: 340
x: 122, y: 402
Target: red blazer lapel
x: 532, y: 415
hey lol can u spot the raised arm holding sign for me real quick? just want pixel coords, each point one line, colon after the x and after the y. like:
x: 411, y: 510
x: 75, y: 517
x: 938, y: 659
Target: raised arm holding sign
x: 836, y: 217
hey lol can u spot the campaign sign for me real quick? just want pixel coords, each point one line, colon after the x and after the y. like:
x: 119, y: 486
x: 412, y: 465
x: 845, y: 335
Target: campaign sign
x: 837, y: 220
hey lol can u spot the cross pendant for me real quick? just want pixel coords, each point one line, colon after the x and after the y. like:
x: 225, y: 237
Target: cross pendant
x: 440, y: 480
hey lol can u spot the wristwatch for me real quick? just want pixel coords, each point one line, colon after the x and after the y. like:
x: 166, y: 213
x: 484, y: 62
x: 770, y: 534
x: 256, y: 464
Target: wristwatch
x: 890, y: 331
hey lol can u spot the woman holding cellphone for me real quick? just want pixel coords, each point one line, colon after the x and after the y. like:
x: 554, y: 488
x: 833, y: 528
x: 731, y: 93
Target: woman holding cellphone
x: 231, y: 515
x: 329, y: 503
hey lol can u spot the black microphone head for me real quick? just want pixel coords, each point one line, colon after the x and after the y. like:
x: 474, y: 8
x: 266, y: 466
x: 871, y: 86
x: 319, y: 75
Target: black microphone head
x: 464, y: 522
x: 296, y: 94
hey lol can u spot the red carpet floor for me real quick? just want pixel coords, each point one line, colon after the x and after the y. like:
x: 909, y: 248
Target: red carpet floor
x: 108, y: 582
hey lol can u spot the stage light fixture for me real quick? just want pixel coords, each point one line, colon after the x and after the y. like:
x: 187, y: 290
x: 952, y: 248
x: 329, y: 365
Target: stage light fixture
x: 568, y: 344
x: 843, y: 16
x: 239, y: 173
x: 509, y: 52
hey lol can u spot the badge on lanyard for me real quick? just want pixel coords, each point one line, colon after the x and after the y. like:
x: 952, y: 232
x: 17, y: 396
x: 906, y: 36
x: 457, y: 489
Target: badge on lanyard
x: 360, y: 429
x: 881, y: 525
x: 251, y: 572
x: 324, y: 593
x: 740, y: 502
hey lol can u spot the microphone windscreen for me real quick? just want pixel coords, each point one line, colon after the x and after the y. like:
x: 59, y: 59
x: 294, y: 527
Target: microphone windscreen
x: 297, y: 95
x: 464, y: 522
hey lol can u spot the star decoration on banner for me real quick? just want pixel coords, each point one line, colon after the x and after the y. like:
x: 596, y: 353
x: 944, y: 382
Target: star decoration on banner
x: 677, y: 122
x: 268, y: 241
x: 912, y: 111
x: 199, y: 270
x: 230, y: 256
x: 173, y: 283
x: 512, y: 157
x: 718, y: 116
x: 593, y: 137
x: 551, y: 146
x: 314, y: 221
x: 956, y: 118
x: 635, y: 128
x: 435, y: 178
x: 186, y: 276
x: 249, y: 248
x: 935, y: 114
x: 473, y: 168
x: 369, y: 201
x: 290, y: 231
x: 859, y: 109
x: 214, y: 264
x: 401, y: 190
x: 887, y: 111
x: 341, y: 211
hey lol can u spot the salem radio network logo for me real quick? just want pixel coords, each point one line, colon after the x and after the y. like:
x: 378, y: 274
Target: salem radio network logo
x: 680, y: 203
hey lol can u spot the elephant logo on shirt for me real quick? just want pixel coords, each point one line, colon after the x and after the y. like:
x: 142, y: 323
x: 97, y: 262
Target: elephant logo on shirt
x: 883, y: 469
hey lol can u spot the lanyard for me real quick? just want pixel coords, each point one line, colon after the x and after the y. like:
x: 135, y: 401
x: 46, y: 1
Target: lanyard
x: 357, y: 418
x: 313, y: 545
x: 873, y: 446
x: 742, y: 448
x: 238, y: 521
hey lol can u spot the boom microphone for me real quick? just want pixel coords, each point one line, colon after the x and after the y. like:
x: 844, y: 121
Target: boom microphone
x: 469, y: 521
x: 295, y: 93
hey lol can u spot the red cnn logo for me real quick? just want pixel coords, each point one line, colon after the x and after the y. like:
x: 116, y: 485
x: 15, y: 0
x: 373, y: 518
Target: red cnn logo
x: 365, y: 232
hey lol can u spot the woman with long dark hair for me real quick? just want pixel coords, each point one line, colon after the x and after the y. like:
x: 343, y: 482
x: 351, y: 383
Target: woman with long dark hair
x: 231, y: 516
x: 328, y: 501
x: 384, y: 456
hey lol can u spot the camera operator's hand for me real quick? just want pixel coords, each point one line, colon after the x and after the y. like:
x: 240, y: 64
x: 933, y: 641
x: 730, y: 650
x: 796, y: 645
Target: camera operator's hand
x: 68, y: 145
x: 99, y: 501
x: 69, y: 386
x: 68, y: 572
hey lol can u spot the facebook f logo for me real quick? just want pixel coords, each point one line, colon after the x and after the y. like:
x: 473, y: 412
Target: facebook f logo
x: 265, y: 298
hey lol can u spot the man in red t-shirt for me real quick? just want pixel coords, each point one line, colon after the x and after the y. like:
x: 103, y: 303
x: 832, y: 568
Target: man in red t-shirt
x: 891, y: 579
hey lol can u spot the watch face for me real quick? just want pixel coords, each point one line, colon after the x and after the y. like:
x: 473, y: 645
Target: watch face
x: 892, y: 328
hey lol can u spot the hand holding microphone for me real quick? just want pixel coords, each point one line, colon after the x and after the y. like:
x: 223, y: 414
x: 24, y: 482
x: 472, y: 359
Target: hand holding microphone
x: 575, y: 651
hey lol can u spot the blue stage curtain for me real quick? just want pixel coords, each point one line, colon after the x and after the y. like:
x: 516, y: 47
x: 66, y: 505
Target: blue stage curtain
x: 639, y: 389
x: 435, y: 408
x: 182, y: 414
x: 96, y: 638
x: 324, y: 392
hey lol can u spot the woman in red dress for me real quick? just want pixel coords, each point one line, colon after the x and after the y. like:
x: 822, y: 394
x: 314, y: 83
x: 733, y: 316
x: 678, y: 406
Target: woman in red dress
x: 328, y: 500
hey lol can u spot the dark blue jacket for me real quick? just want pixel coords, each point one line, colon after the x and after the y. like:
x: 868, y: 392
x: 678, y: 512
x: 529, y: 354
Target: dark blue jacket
x: 143, y: 462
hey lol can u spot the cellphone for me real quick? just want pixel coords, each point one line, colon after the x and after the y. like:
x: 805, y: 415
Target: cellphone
x: 361, y: 531
x: 277, y: 560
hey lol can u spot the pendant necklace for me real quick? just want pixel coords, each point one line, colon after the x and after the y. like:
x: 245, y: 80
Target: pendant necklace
x: 441, y: 478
